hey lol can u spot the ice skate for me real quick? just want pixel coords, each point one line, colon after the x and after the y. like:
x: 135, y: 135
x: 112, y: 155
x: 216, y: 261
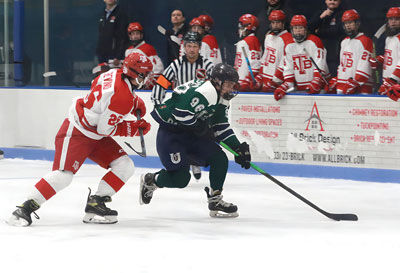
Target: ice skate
x: 147, y: 187
x: 218, y: 207
x: 22, y: 216
x: 196, y: 170
x: 97, y: 212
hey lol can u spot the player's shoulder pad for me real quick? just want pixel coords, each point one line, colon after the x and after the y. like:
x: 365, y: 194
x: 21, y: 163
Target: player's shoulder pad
x: 210, y: 40
x: 366, y: 42
x: 317, y: 41
x: 209, y: 92
x: 287, y: 37
x: 122, y: 100
x: 253, y: 42
x: 148, y: 49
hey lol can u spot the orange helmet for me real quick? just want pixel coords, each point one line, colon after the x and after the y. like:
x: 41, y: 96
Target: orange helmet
x: 350, y: 15
x: 393, y: 12
x: 277, y: 15
x: 135, y: 26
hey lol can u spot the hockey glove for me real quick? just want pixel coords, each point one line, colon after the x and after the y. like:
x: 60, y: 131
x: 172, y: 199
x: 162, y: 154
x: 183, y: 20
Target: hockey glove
x: 315, y: 86
x: 243, y: 158
x: 387, y: 83
x: 394, y: 92
x: 350, y: 87
x: 270, y: 86
x: 129, y: 128
x: 376, y: 62
x: 331, y: 88
x: 280, y: 92
x: 138, y: 105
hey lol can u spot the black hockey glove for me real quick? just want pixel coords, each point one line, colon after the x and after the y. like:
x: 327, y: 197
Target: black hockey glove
x: 243, y: 158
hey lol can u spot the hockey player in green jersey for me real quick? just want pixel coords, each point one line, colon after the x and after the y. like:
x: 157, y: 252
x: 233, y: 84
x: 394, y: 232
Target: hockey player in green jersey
x: 191, y: 122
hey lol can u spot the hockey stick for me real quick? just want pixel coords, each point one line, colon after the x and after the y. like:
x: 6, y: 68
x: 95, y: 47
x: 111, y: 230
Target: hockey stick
x: 49, y: 74
x: 316, y: 66
x: 375, y: 39
x: 333, y: 216
x: 248, y: 64
x: 143, y: 152
x: 173, y: 38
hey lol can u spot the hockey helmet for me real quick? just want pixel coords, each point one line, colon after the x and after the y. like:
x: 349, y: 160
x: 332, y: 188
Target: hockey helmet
x: 197, y: 22
x: 222, y: 73
x: 137, y: 65
x: 207, y: 19
x: 277, y: 15
x: 393, y: 12
x: 192, y: 37
x: 248, y: 21
x: 350, y: 15
x: 299, y: 20
x: 135, y: 26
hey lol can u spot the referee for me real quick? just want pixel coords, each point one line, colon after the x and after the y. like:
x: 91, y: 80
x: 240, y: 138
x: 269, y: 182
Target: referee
x: 186, y: 68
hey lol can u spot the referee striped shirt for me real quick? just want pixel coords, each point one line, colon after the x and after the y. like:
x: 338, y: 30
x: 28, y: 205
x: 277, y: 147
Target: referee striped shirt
x: 179, y: 72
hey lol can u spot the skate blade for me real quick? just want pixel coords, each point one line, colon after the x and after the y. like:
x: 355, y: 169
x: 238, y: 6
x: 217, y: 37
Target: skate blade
x: 220, y: 214
x: 17, y: 221
x: 91, y: 218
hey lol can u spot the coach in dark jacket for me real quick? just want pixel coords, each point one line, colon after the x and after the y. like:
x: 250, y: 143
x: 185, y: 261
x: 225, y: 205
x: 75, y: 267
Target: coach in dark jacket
x: 327, y: 24
x: 262, y: 16
x: 112, y: 33
x: 178, y: 30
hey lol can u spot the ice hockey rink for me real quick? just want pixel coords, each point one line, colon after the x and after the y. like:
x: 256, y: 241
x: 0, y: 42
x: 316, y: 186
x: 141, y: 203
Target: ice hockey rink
x: 275, y: 232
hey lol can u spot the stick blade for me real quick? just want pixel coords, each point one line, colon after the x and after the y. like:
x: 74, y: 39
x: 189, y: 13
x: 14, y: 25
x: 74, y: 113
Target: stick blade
x: 161, y: 30
x: 343, y: 216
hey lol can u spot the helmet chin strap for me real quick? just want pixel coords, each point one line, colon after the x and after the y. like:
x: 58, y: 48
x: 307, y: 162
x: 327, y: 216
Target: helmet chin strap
x: 139, y: 84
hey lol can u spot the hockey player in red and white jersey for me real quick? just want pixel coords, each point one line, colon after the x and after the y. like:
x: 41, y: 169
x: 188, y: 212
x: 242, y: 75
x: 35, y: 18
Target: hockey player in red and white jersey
x: 87, y: 133
x: 275, y: 43
x: 298, y: 70
x: 250, y: 44
x: 391, y: 58
x: 136, y: 37
x: 354, y: 72
x: 209, y: 46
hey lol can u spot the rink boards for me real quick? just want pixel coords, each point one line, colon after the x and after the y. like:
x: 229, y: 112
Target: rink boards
x: 350, y: 137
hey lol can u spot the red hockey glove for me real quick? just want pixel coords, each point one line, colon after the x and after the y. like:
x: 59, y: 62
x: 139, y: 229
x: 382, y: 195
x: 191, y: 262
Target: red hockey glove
x: 332, y: 85
x: 315, y: 86
x: 394, y: 92
x: 350, y: 87
x: 387, y: 83
x: 138, y: 105
x: 129, y: 128
x: 270, y: 86
x: 280, y: 92
x: 376, y: 62
x: 257, y: 85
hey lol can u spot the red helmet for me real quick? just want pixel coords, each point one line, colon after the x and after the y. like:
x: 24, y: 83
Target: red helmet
x: 249, y: 21
x: 136, y: 65
x: 393, y: 12
x: 135, y: 26
x: 299, y: 20
x: 207, y: 19
x: 277, y: 15
x: 197, y: 22
x: 350, y: 15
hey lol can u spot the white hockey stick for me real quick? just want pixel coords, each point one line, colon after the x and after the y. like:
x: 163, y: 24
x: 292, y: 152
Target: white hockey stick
x: 172, y: 37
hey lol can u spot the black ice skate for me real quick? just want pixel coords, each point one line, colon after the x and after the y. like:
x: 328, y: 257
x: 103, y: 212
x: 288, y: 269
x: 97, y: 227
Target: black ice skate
x: 97, y: 212
x: 147, y: 187
x: 218, y: 207
x: 196, y: 171
x: 22, y: 216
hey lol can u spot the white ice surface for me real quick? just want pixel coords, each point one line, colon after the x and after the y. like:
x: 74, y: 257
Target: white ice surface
x: 275, y: 232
